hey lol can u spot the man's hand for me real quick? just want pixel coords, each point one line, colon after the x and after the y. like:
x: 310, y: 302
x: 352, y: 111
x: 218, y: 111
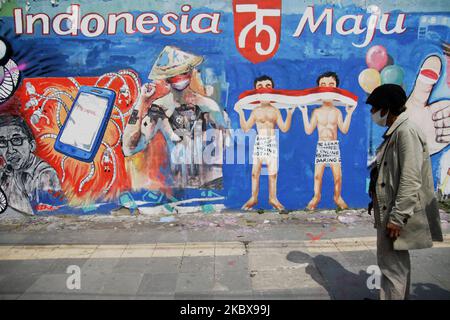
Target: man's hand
x: 393, y: 230
x: 349, y: 108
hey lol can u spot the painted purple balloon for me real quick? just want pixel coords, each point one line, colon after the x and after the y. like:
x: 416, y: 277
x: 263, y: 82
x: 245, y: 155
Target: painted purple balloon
x: 377, y: 57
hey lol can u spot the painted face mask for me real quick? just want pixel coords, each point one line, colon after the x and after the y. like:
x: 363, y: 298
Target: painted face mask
x: 378, y: 119
x: 180, y: 82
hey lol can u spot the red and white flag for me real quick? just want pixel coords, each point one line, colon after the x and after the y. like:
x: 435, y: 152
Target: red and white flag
x: 285, y: 99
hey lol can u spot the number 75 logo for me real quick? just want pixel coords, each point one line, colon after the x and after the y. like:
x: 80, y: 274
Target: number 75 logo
x: 257, y: 28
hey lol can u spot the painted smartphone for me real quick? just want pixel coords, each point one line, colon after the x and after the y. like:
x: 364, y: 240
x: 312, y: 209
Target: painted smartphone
x: 84, y: 128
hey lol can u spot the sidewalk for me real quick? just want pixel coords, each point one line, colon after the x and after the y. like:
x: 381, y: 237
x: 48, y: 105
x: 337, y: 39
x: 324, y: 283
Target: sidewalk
x: 204, y: 256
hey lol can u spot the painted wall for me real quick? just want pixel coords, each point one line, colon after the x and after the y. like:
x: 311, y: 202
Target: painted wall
x: 141, y: 161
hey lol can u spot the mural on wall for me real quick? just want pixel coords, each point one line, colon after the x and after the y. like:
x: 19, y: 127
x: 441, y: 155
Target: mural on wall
x: 266, y: 117
x: 196, y: 94
x: 177, y: 104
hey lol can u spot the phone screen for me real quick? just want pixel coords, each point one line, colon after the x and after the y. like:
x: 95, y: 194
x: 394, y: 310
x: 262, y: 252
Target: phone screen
x: 84, y: 121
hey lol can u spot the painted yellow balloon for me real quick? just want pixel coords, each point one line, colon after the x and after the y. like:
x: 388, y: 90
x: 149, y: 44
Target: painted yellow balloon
x: 369, y: 79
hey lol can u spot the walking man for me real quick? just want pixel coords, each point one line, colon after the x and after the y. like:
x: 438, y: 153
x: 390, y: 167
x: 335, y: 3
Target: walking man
x: 405, y: 208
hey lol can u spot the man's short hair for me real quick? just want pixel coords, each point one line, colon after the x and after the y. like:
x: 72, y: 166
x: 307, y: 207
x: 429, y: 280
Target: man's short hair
x: 328, y: 74
x: 263, y: 78
x: 390, y: 97
x: 9, y: 120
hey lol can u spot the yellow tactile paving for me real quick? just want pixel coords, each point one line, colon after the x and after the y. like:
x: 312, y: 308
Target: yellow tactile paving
x: 190, y: 249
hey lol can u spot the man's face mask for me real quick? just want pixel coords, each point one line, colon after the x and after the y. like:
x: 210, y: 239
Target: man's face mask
x: 378, y: 119
x: 180, y: 82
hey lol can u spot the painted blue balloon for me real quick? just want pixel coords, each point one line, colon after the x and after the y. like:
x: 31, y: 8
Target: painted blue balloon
x: 392, y: 74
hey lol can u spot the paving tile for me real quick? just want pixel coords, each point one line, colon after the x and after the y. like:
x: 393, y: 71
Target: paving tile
x: 34, y: 266
x: 235, y: 295
x: 197, y: 264
x: 60, y: 265
x: 237, y: 281
x: 282, y: 279
x: 132, y: 265
x: 122, y: 283
x: 104, y: 265
x: 17, y: 283
x: 274, y: 261
x: 194, y: 282
x: 9, y: 296
x: 164, y: 265
x: 230, y: 263
x: 158, y: 284
x: 50, y: 283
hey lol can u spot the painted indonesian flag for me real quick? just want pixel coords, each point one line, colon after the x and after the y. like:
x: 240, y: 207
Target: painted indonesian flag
x: 285, y: 99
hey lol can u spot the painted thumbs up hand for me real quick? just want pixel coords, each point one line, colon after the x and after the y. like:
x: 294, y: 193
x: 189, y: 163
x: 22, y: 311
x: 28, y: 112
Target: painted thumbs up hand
x: 441, y: 118
x: 433, y: 119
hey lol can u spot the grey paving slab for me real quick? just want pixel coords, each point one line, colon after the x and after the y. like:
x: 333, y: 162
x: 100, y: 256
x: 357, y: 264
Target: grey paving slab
x: 235, y: 295
x: 230, y: 263
x: 156, y: 296
x: 158, y: 284
x: 59, y: 266
x: 359, y: 258
x: 51, y: 284
x: 59, y: 296
x: 439, y: 271
x: 277, y: 295
x: 197, y: 264
x: 194, y: 283
x: 9, y: 266
x: 97, y: 265
x: 164, y: 265
x: 9, y: 296
x: 122, y: 283
x: 17, y: 283
x: 233, y: 281
x: 133, y: 265
x: 35, y: 266
x: 195, y: 295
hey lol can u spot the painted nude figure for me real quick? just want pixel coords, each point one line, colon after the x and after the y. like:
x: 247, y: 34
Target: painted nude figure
x: 266, y: 117
x: 327, y: 119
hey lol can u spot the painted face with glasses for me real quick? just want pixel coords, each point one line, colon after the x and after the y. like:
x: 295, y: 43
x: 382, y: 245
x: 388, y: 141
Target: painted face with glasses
x: 15, y: 146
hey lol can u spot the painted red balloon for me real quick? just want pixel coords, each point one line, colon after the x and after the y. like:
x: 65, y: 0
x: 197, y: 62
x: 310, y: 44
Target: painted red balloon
x: 377, y: 57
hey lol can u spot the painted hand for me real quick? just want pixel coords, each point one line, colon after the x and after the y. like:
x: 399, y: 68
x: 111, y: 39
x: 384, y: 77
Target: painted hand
x: 349, y: 108
x: 147, y: 92
x: 433, y: 119
x: 303, y: 109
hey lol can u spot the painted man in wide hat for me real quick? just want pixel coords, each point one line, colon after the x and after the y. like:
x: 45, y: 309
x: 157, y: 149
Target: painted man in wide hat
x: 174, y: 103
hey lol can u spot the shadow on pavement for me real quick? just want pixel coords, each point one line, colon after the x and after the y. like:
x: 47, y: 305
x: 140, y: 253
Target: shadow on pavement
x: 340, y: 283
x: 428, y: 291
x: 343, y: 284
